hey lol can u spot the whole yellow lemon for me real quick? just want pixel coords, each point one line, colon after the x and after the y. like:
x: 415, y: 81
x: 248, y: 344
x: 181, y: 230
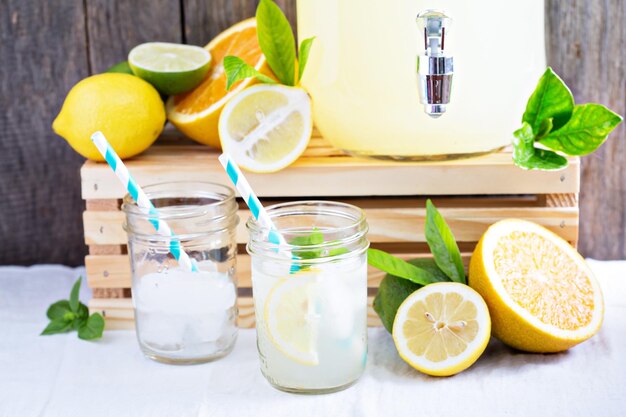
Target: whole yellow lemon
x: 126, y: 109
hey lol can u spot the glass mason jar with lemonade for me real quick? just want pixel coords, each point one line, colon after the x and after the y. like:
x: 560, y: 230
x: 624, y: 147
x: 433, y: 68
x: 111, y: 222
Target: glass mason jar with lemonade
x: 310, y: 295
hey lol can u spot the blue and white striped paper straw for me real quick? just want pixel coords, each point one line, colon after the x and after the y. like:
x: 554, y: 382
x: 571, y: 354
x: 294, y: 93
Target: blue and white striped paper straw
x: 144, y: 204
x: 258, y: 211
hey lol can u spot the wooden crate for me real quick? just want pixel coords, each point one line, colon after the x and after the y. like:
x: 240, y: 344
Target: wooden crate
x: 470, y: 193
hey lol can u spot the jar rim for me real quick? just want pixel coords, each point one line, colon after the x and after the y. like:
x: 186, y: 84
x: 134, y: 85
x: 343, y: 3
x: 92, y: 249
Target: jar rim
x: 222, y: 194
x: 253, y: 224
x: 351, y: 236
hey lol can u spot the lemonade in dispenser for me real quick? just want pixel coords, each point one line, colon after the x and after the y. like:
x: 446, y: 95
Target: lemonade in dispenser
x: 421, y: 79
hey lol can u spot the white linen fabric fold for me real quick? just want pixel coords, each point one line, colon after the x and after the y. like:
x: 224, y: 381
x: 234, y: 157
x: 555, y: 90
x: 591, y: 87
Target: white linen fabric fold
x: 63, y: 376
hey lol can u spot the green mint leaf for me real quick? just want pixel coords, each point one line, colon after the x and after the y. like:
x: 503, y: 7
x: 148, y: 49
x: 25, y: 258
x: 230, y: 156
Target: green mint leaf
x: 430, y: 265
x: 57, y: 326
x: 58, y: 310
x: 79, y: 322
x: 523, y: 144
x: 544, y: 160
x: 527, y: 156
x: 276, y: 40
x: 92, y: 328
x: 314, y: 238
x: 337, y: 252
x: 585, y: 131
x: 443, y: 245
x: 545, y: 127
x: 83, y: 311
x: 81, y: 316
x: 237, y: 69
x: 394, y: 290
x: 74, y: 295
x: 551, y: 99
x: 303, y: 55
x: 398, y: 267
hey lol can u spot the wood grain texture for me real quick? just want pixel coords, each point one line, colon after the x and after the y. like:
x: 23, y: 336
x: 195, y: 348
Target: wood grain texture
x: 586, y: 46
x: 113, y: 271
x: 337, y: 175
x: 386, y: 225
x: 205, y: 19
x: 43, y: 52
x: 115, y: 27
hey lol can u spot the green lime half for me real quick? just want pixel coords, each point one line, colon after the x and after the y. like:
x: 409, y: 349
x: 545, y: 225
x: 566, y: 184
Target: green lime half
x: 170, y: 67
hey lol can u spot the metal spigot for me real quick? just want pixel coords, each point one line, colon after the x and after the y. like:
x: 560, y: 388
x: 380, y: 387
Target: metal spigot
x: 434, y: 67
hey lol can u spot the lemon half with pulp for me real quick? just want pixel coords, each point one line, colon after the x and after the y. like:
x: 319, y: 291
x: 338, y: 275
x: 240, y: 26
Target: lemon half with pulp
x: 266, y: 127
x: 541, y: 294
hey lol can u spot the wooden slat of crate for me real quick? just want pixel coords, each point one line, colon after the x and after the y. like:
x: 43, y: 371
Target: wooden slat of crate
x: 386, y: 224
x: 326, y: 172
x: 113, y: 271
x: 474, y: 193
x: 118, y: 312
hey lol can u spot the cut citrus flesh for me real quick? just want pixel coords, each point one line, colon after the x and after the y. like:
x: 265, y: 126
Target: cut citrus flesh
x: 196, y: 113
x: 541, y: 294
x: 168, y: 57
x: 266, y: 127
x: 172, y: 68
x: 291, y: 319
x: 442, y: 329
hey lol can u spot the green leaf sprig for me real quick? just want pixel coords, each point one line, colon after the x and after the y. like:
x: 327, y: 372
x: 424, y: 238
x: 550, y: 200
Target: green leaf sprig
x: 66, y: 315
x: 278, y: 44
x: 553, y: 123
x: 443, y: 245
x: 404, y: 277
x: 313, y: 239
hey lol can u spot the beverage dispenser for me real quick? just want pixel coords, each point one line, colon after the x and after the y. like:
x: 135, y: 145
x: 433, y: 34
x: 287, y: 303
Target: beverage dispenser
x: 421, y: 79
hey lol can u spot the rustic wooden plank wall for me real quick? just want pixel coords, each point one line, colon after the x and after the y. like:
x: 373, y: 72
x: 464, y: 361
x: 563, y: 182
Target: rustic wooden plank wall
x: 42, y: 54
x: 46, y: 47
x: 586, y: 45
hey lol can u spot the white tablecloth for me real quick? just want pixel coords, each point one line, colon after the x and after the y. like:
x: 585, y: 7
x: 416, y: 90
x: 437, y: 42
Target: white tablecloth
x: 64, y: 376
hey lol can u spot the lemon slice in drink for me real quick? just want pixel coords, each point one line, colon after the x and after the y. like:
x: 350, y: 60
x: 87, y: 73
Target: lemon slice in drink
x: 442, y: 329
x: 266, y: 127
x: 291, y: 318
x: 541, y: 294
x: 170, y: 67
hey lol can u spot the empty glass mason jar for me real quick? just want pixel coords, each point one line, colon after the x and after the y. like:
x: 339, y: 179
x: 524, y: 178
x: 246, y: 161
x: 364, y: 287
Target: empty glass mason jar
x: 310, y: 295
x: 181, y: 316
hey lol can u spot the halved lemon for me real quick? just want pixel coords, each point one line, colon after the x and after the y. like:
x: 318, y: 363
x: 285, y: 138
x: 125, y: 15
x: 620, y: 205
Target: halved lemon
x: 541, y: 294
x: 196, y: 113
x: 291, y: 318
x: 266, y: 127
x: 442, y: 329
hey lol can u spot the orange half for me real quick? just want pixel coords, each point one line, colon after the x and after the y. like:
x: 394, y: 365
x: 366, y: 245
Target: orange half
x: 196, y: 113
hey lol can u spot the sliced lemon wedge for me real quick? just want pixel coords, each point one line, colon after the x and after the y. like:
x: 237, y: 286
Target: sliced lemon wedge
x: 292, y: 320
x: 265, y: 128
x: 442, y: 329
